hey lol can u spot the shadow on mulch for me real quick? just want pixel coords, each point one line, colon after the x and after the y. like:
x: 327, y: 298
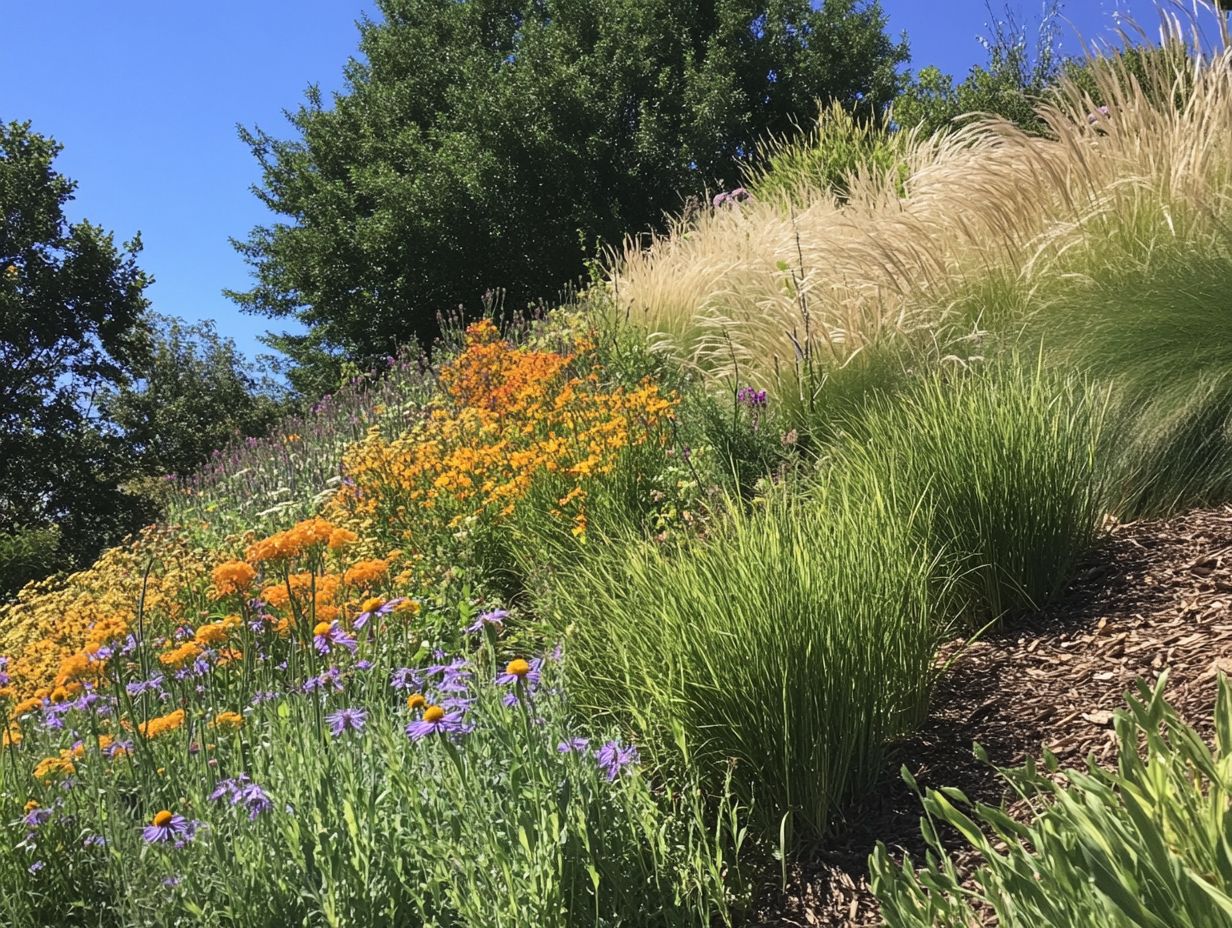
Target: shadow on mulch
x: 1153, y: 596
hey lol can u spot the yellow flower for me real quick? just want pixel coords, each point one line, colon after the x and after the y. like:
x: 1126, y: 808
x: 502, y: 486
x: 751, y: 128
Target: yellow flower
x: 433, y: 714
x: 162, y: 819
x: 517, y: 668
x: 416, y: 701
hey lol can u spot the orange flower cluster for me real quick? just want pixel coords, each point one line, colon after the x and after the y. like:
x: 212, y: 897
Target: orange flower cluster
x: 298, y: 540
x: 511, y: 416
x: 228, y: 721
x: 161, y: 725
x: 233, y: 577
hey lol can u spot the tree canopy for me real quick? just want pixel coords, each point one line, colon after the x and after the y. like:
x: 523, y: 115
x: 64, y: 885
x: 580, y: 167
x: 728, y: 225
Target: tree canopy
x: 494, y: 143
x: 72, y: 308
x: 97, y: 394
x: 191, y: 393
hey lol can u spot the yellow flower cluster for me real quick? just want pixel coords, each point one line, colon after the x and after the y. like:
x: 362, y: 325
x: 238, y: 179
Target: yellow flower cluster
x: 51, y: 626
x: 510, y: 416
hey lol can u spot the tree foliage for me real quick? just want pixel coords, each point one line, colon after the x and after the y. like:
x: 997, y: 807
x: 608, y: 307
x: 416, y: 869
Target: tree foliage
x: 72, y: 306
x: 493, y: 143
x: 191, y: 393
x: 1020, y: 70
x: 95, y: 392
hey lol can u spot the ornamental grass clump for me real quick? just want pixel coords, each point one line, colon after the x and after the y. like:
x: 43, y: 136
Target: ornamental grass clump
x: 784, y: 652
x: 790, y: 289
x: 1144, y: 844
x: 1158, y: 330
x: 1002, y: 470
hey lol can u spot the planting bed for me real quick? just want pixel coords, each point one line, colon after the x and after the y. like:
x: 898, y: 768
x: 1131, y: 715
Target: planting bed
x: 1156, y: 596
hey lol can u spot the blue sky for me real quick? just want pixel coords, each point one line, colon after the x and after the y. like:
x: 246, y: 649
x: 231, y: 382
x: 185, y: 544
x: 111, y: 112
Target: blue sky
x: 145, y: 96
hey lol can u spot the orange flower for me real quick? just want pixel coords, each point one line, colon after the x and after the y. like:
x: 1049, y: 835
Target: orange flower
x: 182, y: 656
x: 54, y: 767
x: 340, y: 538
x: 365, y: 572
x: 232, y: 577
x: 212, y: 635
x: 228, y: 721
x: 162, y: 724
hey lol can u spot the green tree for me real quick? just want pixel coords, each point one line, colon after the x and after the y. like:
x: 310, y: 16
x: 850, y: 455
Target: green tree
x: 72, y: 310
x: 190, y: 393
x: 492, y: 143
x: 1020, y: 71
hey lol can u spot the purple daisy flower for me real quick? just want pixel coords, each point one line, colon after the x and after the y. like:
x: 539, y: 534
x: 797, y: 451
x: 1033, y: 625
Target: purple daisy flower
x: 435, y: 719
x: 117, y: 747
x: 578, y: 745
x: 331, y: 678
x: 384, y: 609
x: 496, y: 617
x: 167, y: 828
x: 613, y: 758
x: 406, y: 678
x: 521, y: 671
x: 344, y: 720
x: 139, y: 687
x: 328, y: 635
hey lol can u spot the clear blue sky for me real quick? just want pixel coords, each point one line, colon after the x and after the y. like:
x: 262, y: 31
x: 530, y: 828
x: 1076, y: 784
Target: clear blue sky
x: 145, y: 96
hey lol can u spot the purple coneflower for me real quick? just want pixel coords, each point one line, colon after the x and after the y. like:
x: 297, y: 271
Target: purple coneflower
x: 495, y: 617
x: 435, y: 719
x: 166, y: 827
x: 344, y: 720
x: 614, y: 758
x: 328, y: 635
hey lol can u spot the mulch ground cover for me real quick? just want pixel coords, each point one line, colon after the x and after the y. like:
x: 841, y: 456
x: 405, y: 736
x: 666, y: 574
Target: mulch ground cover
x: 1155, y: 596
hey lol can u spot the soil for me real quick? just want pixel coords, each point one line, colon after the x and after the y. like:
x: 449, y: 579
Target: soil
x: 1155, y: 596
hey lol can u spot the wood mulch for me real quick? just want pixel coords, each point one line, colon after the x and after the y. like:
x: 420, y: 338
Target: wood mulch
x: 1155, y: 596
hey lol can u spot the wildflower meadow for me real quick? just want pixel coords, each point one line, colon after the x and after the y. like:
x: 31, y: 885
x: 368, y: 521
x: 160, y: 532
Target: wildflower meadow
x: 611, y: 616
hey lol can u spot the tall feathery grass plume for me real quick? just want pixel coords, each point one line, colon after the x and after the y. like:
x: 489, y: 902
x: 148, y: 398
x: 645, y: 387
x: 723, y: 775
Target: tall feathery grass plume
x: 952, y: 239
